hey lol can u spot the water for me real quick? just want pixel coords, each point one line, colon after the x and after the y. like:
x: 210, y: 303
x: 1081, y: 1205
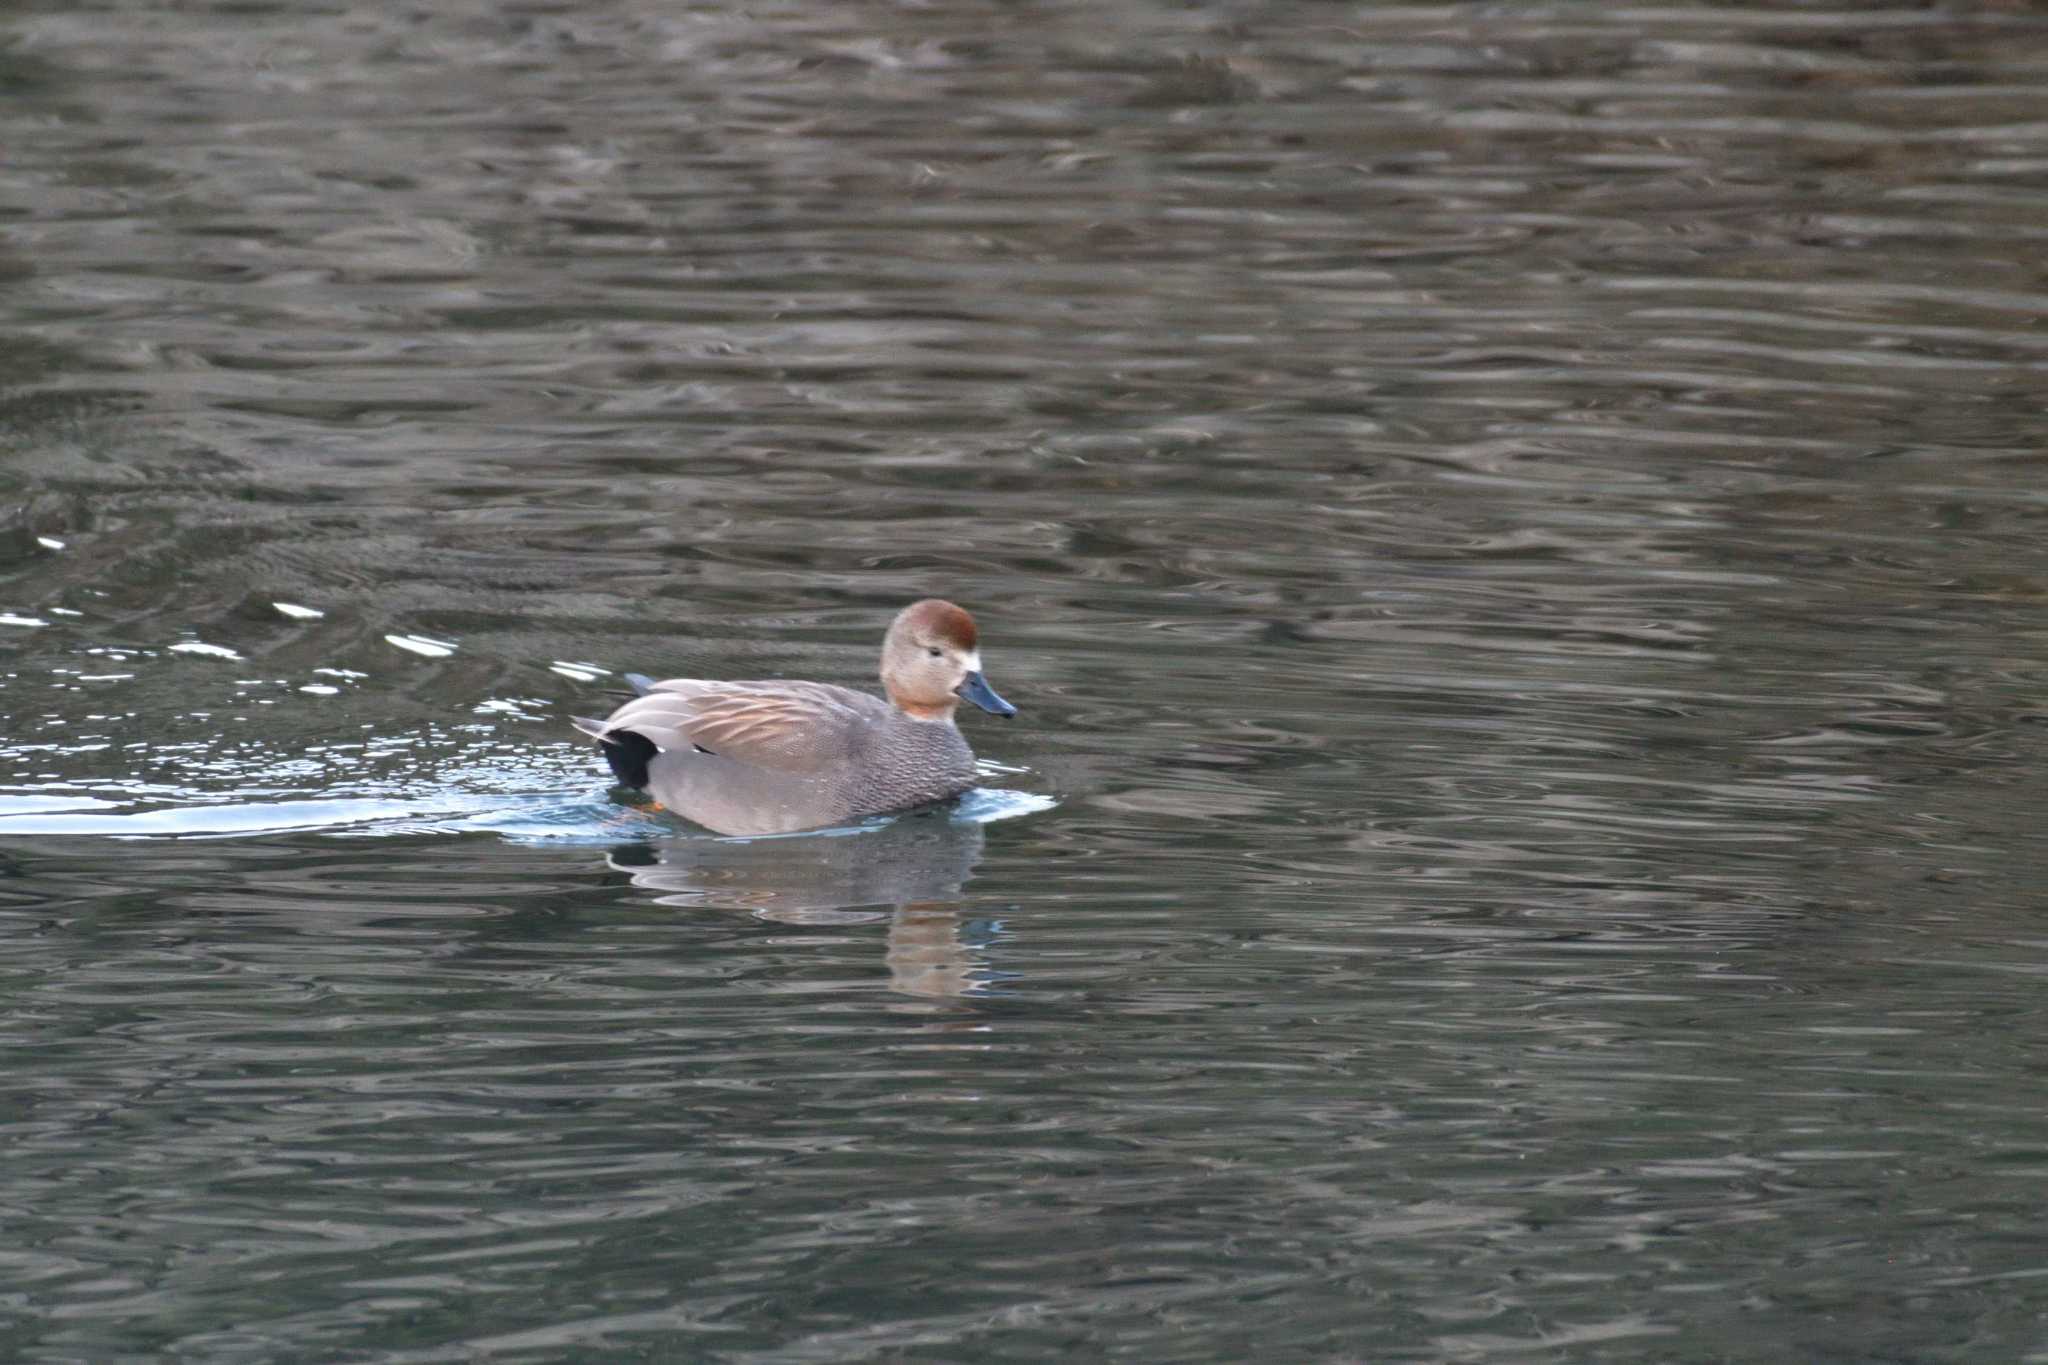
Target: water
x: 1517, y: 534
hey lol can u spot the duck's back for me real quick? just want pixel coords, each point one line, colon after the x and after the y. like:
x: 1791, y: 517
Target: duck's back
x: 774, y: 757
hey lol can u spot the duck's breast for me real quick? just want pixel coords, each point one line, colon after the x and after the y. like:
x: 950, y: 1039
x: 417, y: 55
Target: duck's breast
x: 910, y: 762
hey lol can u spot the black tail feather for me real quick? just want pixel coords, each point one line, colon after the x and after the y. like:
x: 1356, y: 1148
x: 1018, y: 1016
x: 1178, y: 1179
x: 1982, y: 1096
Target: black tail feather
x: 629, y: 754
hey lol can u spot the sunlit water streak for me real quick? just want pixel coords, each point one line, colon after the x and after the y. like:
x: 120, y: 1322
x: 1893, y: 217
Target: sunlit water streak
x: 359, y: 809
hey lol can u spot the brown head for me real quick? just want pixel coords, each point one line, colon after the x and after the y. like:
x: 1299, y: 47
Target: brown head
x: 931, y: 662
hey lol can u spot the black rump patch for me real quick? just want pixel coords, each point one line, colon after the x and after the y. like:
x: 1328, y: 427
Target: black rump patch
x: 629, y: 754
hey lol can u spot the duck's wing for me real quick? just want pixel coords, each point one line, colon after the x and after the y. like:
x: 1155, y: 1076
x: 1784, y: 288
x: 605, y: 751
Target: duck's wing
x: 788, y: 726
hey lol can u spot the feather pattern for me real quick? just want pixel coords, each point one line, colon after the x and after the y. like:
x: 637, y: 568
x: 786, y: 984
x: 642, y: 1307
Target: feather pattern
x: 793, y: 727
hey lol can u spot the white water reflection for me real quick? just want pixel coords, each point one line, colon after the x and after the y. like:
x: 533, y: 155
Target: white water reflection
x: 585, y: 817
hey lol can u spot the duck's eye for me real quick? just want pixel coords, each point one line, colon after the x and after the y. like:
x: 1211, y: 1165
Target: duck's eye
x: 935, y: 653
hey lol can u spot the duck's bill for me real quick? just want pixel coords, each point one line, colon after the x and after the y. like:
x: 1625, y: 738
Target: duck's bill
x: 976, y: 689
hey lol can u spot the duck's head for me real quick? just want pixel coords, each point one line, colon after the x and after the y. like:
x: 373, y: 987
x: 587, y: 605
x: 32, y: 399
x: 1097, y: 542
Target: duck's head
x: 931, y: 662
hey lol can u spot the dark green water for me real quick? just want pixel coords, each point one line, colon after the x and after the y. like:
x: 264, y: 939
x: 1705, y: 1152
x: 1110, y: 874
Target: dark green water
x: 1517, y: 534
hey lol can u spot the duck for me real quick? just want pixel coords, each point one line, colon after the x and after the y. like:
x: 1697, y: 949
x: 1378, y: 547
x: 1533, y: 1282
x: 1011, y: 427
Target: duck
x: 777, y: 757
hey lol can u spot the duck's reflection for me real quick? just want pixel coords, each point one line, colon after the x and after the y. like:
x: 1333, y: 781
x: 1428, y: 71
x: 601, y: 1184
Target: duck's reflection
x: 912, y: 870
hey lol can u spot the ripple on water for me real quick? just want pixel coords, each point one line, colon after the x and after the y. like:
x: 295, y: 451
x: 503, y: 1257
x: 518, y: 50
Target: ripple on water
x: 497, y: 798
x: 1516, y: 530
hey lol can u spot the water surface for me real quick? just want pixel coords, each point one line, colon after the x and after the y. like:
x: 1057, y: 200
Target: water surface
x: 1517, y: 534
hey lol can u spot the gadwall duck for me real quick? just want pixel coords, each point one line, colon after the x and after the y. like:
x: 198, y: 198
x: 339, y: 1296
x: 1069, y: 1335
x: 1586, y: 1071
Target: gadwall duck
x: 772, y: 757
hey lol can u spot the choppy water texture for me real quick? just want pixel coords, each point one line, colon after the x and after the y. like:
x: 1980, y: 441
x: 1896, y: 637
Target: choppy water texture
x: 1519, y: 532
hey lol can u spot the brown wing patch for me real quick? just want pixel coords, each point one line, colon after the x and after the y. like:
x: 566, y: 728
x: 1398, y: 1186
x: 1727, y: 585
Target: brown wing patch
x: 791, y: 727
x: 741, y: 726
